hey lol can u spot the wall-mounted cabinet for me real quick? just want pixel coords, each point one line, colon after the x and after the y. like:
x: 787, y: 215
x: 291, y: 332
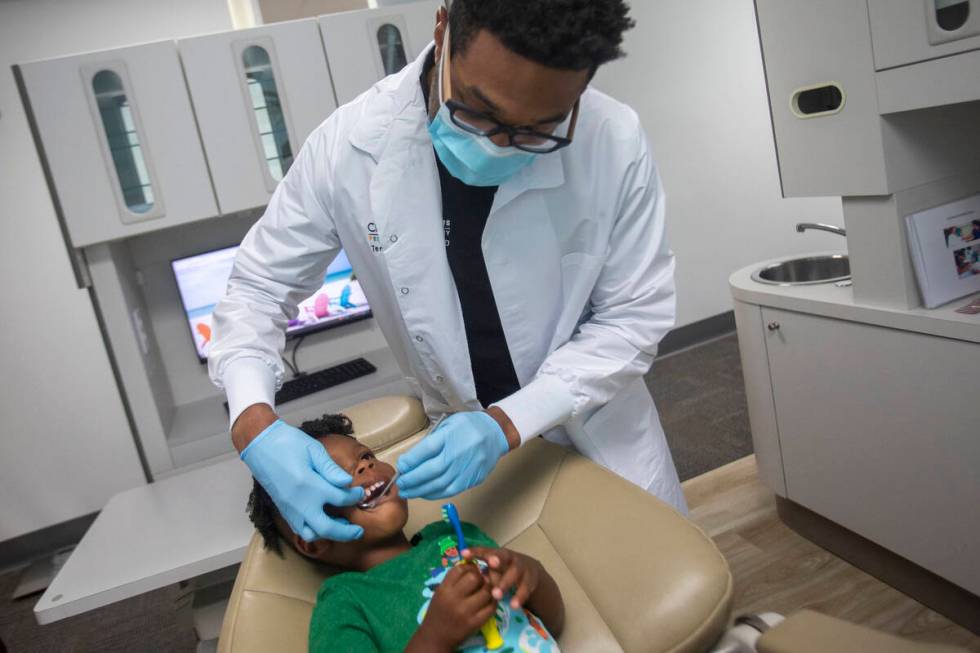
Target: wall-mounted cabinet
x: 865, y: 103
x: 120, y: 141
x: 364, y: 46
x: 257, y: 93
x: 909, y: 31
x: 819, y: 53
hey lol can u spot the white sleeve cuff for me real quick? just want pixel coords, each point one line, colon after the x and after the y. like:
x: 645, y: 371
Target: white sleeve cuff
x: 248, y: 381
x: 542, y: 404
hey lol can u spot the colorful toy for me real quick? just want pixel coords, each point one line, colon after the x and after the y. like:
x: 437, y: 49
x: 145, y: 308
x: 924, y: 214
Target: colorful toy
x: 489, y: 630
x: 321, y: 305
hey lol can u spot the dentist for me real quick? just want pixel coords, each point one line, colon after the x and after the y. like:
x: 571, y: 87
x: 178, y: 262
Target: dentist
x: 506, y: 222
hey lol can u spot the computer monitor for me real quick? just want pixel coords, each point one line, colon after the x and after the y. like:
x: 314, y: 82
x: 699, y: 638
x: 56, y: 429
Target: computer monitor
x: 203, y: 278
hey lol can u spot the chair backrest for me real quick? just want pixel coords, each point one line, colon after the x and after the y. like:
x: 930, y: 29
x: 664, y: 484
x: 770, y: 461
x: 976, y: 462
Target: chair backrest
x: 635, y: 575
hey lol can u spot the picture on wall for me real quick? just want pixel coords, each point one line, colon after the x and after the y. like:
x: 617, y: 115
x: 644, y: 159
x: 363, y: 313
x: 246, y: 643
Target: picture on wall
x: 944, y: 243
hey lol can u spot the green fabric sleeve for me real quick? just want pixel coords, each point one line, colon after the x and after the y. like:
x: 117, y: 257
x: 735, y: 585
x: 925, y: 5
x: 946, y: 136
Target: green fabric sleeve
x: 339, y: 626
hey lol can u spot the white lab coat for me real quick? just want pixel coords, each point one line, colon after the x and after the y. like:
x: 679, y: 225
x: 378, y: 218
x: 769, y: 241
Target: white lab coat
x: 575, y: 251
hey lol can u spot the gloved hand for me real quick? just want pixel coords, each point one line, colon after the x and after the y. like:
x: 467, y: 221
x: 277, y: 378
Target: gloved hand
x: 458, y: 455
x: 300, y: 477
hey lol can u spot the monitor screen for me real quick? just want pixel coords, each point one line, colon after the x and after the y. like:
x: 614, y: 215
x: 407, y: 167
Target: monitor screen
x: 202, y: 280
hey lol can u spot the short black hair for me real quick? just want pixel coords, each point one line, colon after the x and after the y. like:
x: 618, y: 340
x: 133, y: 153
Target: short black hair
x: 564, y: 34
x: 261, y: 510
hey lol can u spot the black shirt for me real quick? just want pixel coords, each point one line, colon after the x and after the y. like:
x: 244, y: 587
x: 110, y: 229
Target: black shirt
x: 465, y: 210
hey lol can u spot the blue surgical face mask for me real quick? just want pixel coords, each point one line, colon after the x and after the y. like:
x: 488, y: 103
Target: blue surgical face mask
x: 474, y: 160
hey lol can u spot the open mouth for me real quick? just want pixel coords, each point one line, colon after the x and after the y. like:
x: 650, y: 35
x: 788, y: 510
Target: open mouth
x: 375, y: 493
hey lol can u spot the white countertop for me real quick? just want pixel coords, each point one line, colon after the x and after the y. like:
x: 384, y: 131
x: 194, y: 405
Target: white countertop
x: 829, y: 300
x: 153, y: 536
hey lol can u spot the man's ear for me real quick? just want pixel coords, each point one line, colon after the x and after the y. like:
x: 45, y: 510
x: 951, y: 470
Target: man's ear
x: 315, y: 549
x: 442, y: 22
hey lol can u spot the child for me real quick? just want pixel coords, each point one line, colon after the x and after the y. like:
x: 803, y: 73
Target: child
x: 396, y: 595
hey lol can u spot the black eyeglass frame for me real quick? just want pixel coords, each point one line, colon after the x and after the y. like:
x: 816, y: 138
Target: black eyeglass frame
x: 454, y: 106
x: 558, y: 142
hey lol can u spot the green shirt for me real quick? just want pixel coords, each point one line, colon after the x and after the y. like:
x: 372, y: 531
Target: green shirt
x: 379, y: 610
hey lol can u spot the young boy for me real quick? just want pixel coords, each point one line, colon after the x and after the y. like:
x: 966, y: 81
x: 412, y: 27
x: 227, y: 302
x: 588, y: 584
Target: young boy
x: 401, y: 595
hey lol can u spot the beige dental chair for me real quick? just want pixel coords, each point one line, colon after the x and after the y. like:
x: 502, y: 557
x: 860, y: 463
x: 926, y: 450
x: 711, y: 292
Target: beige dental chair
x: 634, y: 574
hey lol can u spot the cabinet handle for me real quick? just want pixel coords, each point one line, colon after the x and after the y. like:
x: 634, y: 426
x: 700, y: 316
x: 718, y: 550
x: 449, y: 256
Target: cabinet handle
x: 773, y: 326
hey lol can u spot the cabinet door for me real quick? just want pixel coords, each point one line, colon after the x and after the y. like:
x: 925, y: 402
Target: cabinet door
x: 820, y: 76
x: 910, y: 31
x: 258, y: 93
x: 879, y: 432
x: 364, y: 46
x: 119, y: 137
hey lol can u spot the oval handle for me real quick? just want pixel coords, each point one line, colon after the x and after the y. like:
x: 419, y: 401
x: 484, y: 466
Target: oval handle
x: 817, y: 100
x: 773, y: 326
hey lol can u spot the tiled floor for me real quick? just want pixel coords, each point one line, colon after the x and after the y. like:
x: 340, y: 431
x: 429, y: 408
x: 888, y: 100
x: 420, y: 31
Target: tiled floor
x: 701, y: 400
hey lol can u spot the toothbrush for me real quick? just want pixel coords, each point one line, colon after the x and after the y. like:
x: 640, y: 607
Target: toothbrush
x: 451, y: 516
x: 394, y: 478
x: 489, y: 629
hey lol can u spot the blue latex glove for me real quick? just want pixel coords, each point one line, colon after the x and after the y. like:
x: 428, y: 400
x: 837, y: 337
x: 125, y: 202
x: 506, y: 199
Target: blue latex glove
x: 458, y: 455
x: 301, y: 478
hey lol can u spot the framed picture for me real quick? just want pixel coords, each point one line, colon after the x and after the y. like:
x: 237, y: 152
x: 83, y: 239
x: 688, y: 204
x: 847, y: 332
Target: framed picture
x: 944, y: 243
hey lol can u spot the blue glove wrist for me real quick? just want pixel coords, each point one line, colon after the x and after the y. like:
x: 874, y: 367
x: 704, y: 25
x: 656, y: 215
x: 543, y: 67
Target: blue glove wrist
x: 492, y: 425
x: 256, y: 440
x: 456, y: 456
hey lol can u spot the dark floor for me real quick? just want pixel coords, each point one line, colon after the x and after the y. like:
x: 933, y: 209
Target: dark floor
x: 699, y: 394
x: 701, y: 398
x: 145, y: 623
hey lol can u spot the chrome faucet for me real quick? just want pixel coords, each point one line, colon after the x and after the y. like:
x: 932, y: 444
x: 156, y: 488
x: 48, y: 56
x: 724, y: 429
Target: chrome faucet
x: 803, y: 226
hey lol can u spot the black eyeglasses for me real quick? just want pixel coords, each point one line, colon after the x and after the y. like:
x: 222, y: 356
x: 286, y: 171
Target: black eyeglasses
x: 481, y: 124
x: 521, y: 138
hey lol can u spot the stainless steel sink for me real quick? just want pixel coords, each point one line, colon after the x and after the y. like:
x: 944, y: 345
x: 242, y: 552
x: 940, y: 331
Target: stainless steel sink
x: 806, y: 271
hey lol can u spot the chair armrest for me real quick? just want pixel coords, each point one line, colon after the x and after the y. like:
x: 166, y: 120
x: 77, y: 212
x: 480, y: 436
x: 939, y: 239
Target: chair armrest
x: 659, y: 582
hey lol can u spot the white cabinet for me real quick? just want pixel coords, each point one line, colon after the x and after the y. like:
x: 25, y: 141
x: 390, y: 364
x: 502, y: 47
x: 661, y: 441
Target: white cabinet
x: 820, y: 74
x: 877, y: 431
x: 365, y: 45
x: 847, y: 124
x: 910, y: 31
x: 258, y: 93
x: 120, y: 141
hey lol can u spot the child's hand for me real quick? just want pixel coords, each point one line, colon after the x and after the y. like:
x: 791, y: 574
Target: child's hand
x: 460, y: 605
x: 509, y: 569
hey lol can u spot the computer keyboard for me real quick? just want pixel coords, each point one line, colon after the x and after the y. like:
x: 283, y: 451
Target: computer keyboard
x: 322, y: 379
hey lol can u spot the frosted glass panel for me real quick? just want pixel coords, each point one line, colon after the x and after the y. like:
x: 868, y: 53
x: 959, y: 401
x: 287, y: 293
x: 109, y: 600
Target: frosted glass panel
x: 392, y: 49
x: 267, y: 110
x: 123, y: 140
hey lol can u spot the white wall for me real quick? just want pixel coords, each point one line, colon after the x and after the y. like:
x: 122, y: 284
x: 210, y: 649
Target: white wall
x: 694, y: 74
x: 65, y: 445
